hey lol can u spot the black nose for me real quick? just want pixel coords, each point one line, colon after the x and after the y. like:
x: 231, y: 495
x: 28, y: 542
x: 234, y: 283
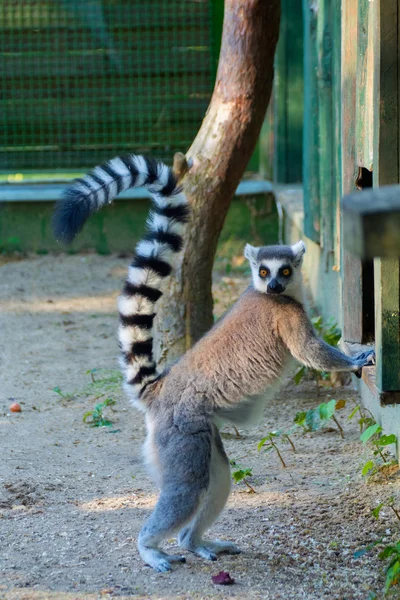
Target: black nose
x: 274, y: 287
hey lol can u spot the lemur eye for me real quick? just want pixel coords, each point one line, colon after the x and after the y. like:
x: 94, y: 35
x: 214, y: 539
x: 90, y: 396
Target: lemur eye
x: 264, y: 272
x: 286, y: 272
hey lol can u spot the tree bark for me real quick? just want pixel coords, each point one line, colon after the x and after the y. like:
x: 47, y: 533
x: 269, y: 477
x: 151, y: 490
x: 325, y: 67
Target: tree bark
x: 220, y: 153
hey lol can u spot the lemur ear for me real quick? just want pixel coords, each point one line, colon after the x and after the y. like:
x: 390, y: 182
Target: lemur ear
x: 250, y: 252
x: 298, y: 250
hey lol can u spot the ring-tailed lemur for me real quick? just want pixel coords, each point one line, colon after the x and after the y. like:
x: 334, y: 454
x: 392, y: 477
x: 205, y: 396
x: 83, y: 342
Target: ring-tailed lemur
x: 224, y: 374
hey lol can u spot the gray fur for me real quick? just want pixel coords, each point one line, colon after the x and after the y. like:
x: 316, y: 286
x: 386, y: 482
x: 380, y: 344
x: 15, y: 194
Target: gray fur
x: 224, y: 376
x: 282, y: 252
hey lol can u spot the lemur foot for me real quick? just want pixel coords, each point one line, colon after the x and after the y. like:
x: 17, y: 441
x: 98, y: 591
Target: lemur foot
x: 209, y: 549
x: 219, y: 547
x: 173, y: 558
x: 203, y: 552
x: 160, y: 561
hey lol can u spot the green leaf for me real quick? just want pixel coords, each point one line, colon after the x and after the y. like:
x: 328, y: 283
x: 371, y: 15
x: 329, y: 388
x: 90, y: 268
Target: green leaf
x: 391, y: 573
x: 239, y: 475
x: 332, y: 336
x: 365, y: 422
x: 367, y: 467
x: 375, y: 512
x: 386, y: 552
x: 353, y: 412
x: 385, y: 440
x: 369, y: 432
x: 87, y: 415
x: 109, y: 402
x: 262, y: 442
x: 317, y: 322
x: 313, y: 419
x: 300, y: 418
x: 327, y: 410
x: 299, y: 375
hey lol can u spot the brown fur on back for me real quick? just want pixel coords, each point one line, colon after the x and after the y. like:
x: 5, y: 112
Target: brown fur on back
x: 240, y: 356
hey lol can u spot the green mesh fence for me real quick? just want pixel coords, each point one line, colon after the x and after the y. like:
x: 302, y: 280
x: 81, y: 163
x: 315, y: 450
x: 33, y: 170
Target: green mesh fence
x: 82, y: 80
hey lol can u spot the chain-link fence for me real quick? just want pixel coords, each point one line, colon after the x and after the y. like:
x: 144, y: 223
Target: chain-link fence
x: 82, y: 80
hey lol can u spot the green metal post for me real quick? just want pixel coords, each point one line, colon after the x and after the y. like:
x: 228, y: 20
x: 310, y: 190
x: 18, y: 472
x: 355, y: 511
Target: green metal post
x: 310, y: 128
x: 387, y: 323
x: 387, y: 153
x: 325, y: 114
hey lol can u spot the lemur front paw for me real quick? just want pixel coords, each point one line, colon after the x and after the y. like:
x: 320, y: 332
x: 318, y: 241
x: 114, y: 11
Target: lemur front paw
x: 363, y: 360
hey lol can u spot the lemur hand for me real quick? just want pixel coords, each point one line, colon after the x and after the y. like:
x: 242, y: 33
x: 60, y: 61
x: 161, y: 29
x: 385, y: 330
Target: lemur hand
x: 363, y: 360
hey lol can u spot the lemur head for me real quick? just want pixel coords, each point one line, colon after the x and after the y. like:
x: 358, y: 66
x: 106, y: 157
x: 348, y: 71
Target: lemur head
x: 277, y: 269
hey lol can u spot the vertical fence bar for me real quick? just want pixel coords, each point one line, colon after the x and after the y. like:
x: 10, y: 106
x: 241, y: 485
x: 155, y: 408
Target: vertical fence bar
x: 350, y: 264
x: 387, y: 149
x: 325, y: 113
x: 387, y: 323
x: 310, y: 127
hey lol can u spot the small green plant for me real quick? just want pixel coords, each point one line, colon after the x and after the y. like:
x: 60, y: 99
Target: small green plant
x: 315, y: 418
x: 241, y: 474
x: 104, y: 382
x: 65, y: 396
x: 390, y: 503
x: 269, y: 443
x: 331, y: 334
x: 381, y: 458
x: 366, y: 418
x: 392, y: 570
x: 95, y: 417
x: 391, y: 551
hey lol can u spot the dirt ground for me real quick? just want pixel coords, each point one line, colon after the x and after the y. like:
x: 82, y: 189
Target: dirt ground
x: 73, y: 498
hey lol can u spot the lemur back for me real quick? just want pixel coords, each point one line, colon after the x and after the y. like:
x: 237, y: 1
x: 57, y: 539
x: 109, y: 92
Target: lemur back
x: 223, y: 375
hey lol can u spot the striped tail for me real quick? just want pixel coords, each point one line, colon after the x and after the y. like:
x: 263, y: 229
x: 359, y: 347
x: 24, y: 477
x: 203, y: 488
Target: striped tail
x: 153, y: 256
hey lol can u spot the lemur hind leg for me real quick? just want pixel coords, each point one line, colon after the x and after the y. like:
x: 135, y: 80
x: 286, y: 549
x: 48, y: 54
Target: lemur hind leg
x: 173, y: 510
x: 183, y: 454
x: 191, y: 537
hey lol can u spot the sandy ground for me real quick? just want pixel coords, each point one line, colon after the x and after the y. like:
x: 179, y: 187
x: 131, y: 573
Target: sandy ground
x: 73, y: 498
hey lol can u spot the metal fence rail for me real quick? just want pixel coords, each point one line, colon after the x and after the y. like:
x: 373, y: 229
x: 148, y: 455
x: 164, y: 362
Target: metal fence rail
x: 82, y: 80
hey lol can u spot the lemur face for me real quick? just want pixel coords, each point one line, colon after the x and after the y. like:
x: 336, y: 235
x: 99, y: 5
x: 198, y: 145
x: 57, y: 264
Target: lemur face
x: 277, y: 269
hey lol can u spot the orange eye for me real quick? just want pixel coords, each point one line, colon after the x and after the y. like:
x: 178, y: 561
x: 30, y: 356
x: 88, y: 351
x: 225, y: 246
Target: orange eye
x: 286, y: 272
x: 263, y: 273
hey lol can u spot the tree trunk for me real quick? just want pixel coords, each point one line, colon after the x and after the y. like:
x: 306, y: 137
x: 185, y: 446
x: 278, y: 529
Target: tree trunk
x: 220, y: 154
